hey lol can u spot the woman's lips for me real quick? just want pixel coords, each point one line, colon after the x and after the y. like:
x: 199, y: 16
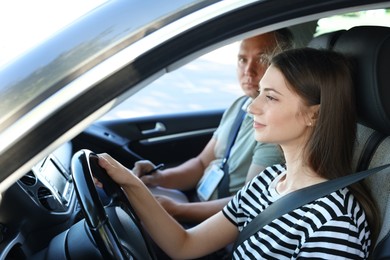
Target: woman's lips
x: 257, y: 125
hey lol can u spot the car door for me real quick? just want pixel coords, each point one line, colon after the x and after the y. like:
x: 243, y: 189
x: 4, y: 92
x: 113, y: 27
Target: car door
x: 172, y: 119
x: 169, y: 139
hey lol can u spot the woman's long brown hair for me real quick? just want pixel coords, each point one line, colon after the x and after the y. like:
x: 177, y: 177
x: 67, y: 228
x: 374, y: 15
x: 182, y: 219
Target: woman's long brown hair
x: 324, y: 78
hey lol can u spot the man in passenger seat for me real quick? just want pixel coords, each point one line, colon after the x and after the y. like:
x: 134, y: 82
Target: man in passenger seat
x: 247, y: 157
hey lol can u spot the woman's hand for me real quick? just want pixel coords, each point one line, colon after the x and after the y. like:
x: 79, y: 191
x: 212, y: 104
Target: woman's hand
x: 120, y: 174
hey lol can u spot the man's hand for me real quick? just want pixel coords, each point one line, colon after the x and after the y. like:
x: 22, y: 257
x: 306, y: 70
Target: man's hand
x: 141, y: 168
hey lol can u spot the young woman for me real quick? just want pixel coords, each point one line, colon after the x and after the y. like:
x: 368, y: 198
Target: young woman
x: 306, y: 105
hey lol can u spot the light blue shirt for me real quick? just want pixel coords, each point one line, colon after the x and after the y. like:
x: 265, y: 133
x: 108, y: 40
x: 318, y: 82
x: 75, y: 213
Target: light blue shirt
x: 245, y: 151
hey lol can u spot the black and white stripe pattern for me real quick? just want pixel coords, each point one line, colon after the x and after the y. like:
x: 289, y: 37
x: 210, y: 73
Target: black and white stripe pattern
x: 333, y: 227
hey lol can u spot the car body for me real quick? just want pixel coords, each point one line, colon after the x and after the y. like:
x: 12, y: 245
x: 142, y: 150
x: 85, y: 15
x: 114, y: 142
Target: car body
x: 54, y: 95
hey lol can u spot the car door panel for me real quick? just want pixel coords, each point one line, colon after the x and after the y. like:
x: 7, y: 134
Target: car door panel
x: 168, y: 139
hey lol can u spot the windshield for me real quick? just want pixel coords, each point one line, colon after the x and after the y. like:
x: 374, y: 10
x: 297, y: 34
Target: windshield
x: 24, y: 23
x: 36, y: 66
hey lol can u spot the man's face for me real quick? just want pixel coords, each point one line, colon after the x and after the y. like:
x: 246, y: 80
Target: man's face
x: 252, y: 62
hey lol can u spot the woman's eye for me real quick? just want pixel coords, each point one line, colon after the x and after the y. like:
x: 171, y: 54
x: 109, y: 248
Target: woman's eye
x: 270, y: 98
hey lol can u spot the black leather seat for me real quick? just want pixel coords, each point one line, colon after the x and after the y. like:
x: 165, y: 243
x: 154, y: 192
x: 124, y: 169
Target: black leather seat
x: 367, y: 138
x: 369, y: 47
x: 325, y: 41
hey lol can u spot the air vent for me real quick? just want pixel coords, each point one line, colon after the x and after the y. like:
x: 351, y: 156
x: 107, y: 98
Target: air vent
x: 29, y: 179
x: 46, y: 198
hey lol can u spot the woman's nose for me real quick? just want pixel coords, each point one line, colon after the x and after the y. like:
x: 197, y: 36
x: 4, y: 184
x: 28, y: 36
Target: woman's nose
x: 255, y: 107
x: 249, y: 108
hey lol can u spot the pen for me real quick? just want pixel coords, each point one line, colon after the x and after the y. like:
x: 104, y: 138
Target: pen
x: 158, y: 167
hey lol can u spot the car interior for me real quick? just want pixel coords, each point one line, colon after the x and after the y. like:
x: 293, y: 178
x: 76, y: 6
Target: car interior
x: 49, y: 206
x: 368, y: 46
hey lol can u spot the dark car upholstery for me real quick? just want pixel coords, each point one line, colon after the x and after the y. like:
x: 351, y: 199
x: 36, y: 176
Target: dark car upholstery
x: 326, y: 40
x: 369, y: 48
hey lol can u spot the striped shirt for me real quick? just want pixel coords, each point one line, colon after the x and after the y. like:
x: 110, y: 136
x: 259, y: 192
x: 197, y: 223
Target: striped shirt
x: 332, y: 227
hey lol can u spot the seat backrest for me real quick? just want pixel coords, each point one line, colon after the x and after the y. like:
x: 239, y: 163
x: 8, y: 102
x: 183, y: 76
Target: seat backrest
x: 380, y: 189
x: 369, y: 48
x: 367, y: 138
x: 367, y: 142
x: 325, y: 41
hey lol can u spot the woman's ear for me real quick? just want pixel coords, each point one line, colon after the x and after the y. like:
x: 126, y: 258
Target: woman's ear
x: 313, y: 115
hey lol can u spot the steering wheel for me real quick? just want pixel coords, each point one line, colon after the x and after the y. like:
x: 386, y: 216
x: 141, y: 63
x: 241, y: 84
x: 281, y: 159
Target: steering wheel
x: 107, y: 223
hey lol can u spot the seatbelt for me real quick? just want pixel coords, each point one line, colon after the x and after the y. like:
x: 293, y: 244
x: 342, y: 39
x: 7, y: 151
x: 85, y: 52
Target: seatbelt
x: 223, y: 186
x: 299, y: 198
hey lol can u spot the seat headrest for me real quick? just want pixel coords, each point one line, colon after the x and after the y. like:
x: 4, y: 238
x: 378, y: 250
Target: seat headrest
x: 369, y: 48
x: 325, y: 41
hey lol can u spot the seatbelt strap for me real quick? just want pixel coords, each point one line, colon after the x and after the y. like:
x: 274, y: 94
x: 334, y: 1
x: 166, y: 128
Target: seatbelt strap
x: 299, y: 198
x: 223, y: 186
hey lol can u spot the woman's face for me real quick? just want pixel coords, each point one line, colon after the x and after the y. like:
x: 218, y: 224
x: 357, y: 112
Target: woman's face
x: 278, y: 112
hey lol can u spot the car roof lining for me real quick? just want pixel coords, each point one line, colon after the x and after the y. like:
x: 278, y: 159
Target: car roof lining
x: 295, y: 23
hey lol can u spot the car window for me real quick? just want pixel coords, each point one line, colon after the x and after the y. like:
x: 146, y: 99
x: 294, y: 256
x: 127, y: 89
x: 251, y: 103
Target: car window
x: 24, y: 28
x: 207, y: 83
x: 210, y: 82
x: 346, y: 21
x: 25, y: 25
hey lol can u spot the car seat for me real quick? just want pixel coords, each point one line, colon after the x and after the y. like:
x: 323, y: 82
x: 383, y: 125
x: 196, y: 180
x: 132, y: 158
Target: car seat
x: 367, y: 139
x: 369, y: 48
x: 325, y: 41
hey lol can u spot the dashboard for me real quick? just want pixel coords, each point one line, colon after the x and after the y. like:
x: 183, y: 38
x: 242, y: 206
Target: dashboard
x: 41, y: 204
x: 52, y: 180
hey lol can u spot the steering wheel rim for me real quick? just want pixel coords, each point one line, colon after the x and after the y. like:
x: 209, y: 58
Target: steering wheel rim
x: 84, y: 167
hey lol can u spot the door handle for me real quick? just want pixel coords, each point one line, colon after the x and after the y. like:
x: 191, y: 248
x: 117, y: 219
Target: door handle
x: 158, y: 128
